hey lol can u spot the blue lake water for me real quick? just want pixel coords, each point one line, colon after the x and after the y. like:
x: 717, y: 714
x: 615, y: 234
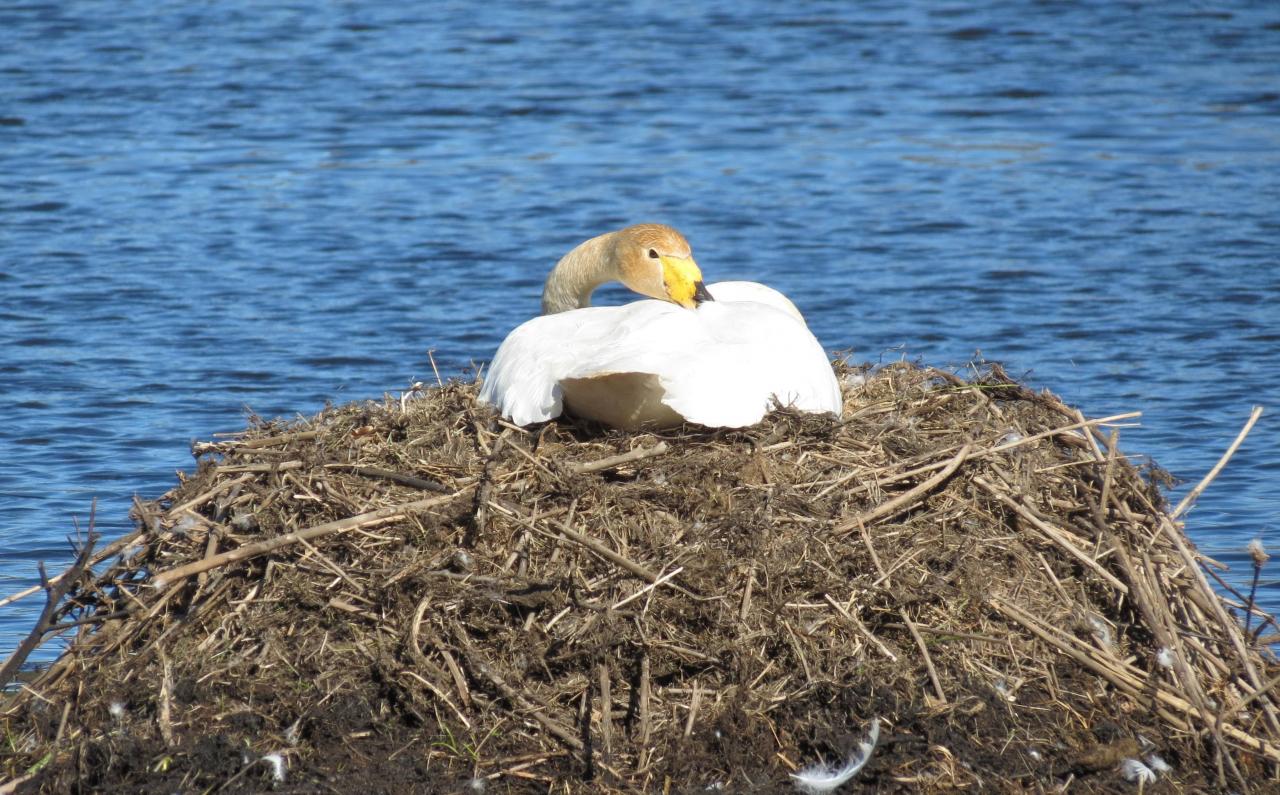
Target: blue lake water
x: 206, y: 208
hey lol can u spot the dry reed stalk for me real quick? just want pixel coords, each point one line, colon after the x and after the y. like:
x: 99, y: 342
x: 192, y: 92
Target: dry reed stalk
x: 1054, y: 534
x: 906, y: 499
x: 390, y: 513
x: 109, y: 551
x: 1199, y: 488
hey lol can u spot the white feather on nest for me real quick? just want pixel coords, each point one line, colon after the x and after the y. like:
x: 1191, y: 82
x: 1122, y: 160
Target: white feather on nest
x: 819, y: 779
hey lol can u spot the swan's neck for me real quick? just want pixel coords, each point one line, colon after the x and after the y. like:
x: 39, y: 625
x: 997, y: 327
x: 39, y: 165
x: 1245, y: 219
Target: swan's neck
x: 579, y: 273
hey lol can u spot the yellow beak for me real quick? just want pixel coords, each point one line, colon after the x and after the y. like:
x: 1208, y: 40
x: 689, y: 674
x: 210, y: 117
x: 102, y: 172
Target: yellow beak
x: 683, y: 281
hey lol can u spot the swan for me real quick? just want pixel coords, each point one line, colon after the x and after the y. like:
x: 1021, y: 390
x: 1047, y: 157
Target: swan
x: 718, y: 355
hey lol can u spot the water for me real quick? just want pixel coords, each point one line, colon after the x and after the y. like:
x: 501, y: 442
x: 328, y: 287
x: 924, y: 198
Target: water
x: 211, y: 207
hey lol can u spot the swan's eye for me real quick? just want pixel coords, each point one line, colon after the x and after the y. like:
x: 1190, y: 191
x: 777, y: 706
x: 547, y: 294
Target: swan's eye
x: 653, y: 254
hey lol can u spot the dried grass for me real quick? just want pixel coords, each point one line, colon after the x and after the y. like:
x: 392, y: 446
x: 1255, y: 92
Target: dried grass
x: 409, y: 596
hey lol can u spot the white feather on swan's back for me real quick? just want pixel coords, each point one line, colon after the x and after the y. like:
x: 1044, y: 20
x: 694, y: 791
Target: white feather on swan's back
x: 722, y: 364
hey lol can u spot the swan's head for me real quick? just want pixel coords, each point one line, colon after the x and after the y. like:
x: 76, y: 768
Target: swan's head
x: 655, y: 260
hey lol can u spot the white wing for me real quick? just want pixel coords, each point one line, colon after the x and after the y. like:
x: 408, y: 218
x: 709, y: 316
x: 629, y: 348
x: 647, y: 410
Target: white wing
x: 655, y: 363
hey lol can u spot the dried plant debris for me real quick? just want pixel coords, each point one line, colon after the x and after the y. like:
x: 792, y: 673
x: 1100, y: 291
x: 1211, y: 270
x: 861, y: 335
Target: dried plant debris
x: 410, y: 596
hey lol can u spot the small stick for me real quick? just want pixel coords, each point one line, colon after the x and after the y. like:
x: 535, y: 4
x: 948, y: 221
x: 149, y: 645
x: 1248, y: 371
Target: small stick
x: 96, y: 619
x: 875, y: 559
x: 745, y: 607
x: 1225, y: 622
x: 617, y: 460
x: 578, y: 538
x: 604, y: 551
x: 480, y: 513
x: 928, y: 661
x: 330, y: 565
x: 210, y: 549
x: 694, y: 701
x: 1256, y: 693
x: 109, y: 550
x: 904, y: 500
x: 415, y: 650
x: 1222, y: 462
x: 199, y: 448
x: 1054, y: 535
x: 202, y: 498
x: 281, y: 466
x: 606, y: 710
x: 347, y: 607
x: 1000, y: 448
x: 164, y: 708
x: 645, y: 695
x: 10, y: 787
x: 62, y: 724
x: 861, y: 627
x: 395, y: 477
x: 532, y: 761
x: 648, y: 587
x: 555, y: 728
x: 53, y: 599
x: 950, y: 633
x: 1088, y: 436
x: 1260, y: 558
x: 388, y: 514
x: 1128, y: 684
x: 1113, y: 444
x: 431, y: 356
x: 1153, y: 606
x: 439, y: 694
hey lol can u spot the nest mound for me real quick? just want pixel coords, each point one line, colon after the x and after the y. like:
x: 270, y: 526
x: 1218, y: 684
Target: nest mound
x: 411, y: 597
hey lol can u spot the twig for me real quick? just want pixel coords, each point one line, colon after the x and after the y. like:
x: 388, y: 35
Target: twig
x: 1222, y: 462
x: 1135, y: 687
x: 110, y: 549
x: 1000, y: 448
x: 1260, y: 558
x: 1254, y: 694
x: 578, y: 538
x: 431, y: 356
x: 12, y: 785
x: 164, y: 707
x: 1055, y: 535
x: 346, y: 607
x: 904, y: 500
x: 744, y: 608
x: 200, y: 448
x: 480, y: 512
x: 1228, y: 625
x: 648, y: 588
x: 1153, y: 605
x: 637, y: 454
x: 94, y: 619
x: 205, y: 496
x: 928, y: 661
x: 439, y: 694
x: 606, y: 711
x: 459, y: 681
x: 395, y: 477
x: 861, y: 627
x: 54, y: 592
x: 646, y: 693
x: 1113, y: 446
x: 479, y: 666
x: 694, y: 701
x: 388, y: 514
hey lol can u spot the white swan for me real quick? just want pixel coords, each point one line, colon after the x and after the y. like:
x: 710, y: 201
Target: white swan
x: 717, y: 355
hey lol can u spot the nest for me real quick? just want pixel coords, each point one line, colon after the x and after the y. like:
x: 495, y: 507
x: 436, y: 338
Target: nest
x: 412, y: 597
